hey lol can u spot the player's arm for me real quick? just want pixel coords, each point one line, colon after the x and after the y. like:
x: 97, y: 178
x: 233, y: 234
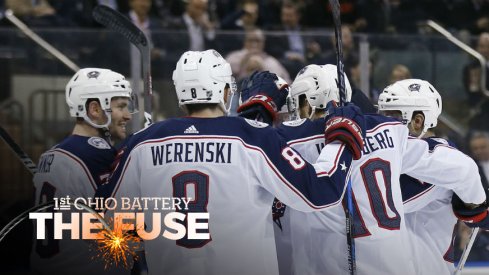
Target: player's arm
x: 473, y: 215
x: 309, y: 187
x: 444, y: 166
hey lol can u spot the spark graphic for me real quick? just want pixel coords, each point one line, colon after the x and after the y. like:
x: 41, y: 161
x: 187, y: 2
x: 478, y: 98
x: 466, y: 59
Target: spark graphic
x: 118, y: 248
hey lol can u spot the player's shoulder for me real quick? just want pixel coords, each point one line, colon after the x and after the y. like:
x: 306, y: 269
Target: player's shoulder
x: 191, y: 128
x: 375, y: 122
x: 89, y: 156
x: 301, y: 128
x: 412, y: 188
x: 247, y: 130
x: 433, y: 142
x: 84, y: 148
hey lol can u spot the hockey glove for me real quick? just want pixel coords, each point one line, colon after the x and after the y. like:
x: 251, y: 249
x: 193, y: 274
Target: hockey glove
x: 263, y: 94
x: 473, y: 217
x: 346, y: 124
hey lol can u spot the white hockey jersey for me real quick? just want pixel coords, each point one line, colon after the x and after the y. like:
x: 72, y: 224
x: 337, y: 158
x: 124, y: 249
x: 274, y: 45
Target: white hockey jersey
x: 75, y: 168
x: 232, y: 168
x: 381, y: 239
x: 430, y: 221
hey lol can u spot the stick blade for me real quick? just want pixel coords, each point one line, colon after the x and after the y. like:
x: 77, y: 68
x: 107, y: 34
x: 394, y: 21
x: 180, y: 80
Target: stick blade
x: 116, y: 21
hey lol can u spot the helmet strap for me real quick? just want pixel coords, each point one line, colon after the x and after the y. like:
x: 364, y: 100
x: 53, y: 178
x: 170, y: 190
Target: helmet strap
x: 98, y: 126
x: 313, y: 111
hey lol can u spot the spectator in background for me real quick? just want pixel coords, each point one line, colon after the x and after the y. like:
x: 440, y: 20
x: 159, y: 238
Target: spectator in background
x: 403, y: 16
x: 399, y: 72
x: 139, y: 14
x: 362, y: 99
x: 350, y: 52
x: 79, y: 13
x: 36, y: 13
x: 289, y: 48
x: 472, y: 72
x: 479, y: 149
x: 201, y: 31
x: 317, y: 14
x: 470, y: 15
x: 243, y: 19
x: 472, y: 82
x: 253, y: 48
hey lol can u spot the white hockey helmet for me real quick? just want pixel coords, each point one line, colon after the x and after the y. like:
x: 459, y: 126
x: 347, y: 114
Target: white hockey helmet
x: 201, y: 77
x: 409, y: 96
x: 95, y: 83
x: 319, y: 84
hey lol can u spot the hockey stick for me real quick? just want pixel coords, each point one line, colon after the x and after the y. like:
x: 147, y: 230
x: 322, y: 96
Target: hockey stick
x: 117, y: 22
x: 17, y: 220
x: 335, y: 8
x: 41, y: 42
x: 24, y: 158
x: 467, y: 249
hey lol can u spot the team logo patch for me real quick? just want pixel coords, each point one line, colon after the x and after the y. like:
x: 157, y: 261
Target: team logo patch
x: 93, y: 74
x: 294, y: 123
x: 256, y: 124
x: 98, y: 143
x: 278, y: 211
x: 414, y: 87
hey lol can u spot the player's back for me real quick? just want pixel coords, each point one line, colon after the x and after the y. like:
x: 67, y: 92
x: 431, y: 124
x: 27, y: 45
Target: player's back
x: 430, y: 221
x: 225, y: 165
x: 84, y: 160
x: 380, y: 235
x: 75, y: 168
x: 381, y: 248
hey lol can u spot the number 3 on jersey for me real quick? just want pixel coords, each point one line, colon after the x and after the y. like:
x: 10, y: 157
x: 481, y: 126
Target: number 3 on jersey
x: 195, y: 185
x: 374, y: 172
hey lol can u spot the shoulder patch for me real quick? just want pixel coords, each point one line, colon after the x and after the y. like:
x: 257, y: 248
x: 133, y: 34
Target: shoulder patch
x: 98, y: 143
x: 256, y: 124
x: 294, y: 123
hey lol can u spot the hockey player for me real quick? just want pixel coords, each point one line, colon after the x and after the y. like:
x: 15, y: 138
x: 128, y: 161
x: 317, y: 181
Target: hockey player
x: 382, y: 244
x: 429, y: 217
x: 100, y: 100
x: 231, y: 168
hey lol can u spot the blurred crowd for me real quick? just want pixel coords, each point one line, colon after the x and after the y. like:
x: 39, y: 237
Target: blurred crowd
x: 280, y: 36
x: 378, y: 16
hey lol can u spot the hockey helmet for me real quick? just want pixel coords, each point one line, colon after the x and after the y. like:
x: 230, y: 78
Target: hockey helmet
x: 320, y: 85
x: 202, y: 77
x: 96, y: 83
x: 409, y: 96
